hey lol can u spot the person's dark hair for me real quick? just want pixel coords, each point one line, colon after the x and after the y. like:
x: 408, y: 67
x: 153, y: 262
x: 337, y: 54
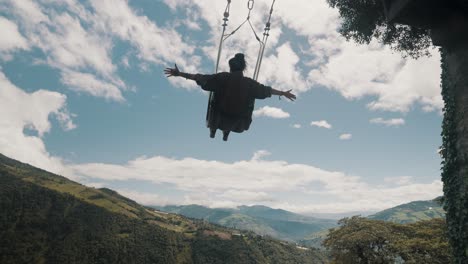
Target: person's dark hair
x: 237, y: 63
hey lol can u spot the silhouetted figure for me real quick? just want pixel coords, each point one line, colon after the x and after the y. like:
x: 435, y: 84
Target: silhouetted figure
x: 234, y: 96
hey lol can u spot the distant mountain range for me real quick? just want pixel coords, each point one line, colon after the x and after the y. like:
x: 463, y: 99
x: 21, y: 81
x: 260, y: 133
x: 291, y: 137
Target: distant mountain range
x: 412, y: 212
x: 262, y: 220
x: 289, y: 226
x: 46, y: 218
x: 286, y: 225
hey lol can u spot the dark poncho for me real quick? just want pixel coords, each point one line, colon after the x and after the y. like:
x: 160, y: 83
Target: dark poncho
x: 234, y: 97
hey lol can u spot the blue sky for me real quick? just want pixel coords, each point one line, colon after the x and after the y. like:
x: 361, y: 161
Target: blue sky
x: 83, y: 94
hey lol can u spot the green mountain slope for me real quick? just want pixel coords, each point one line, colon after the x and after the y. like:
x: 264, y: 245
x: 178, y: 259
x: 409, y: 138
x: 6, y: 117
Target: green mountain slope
x: 406, y: 213
x: 46, y: 218
x: 411, y: 212
x: 262, y: 220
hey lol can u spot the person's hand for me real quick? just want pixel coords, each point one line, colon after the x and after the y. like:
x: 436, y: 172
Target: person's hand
x: 289, y: 95
x: 172, y: 71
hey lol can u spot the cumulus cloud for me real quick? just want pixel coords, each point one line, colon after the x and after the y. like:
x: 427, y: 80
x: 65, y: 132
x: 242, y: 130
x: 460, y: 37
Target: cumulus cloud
x: 246, y: 197
x: 273, y: 183
x: 402, y: 180
x: 345, y: 136
x: 388, y: 122
x: 144, y: 197
x: 272, y: 112
x: 11, y: 37
x: 78, y: 40
x: 398, y: 83
x: 297, y: 125
x: 20, y: 110
x: 321, y: 123
x: 88, y: 83
x: 282, y: 70
x: 153, y: 43
x: 260, y: 154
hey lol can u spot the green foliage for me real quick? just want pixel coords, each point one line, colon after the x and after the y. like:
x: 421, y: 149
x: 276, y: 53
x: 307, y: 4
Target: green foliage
x: 455, y: 191
x: 363, y: 20
x: 361, y: 240
x: 251, y: 248
x: 38, y: 225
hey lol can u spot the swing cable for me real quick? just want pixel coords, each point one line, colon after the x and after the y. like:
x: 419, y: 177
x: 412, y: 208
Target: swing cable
x: 261, y: 50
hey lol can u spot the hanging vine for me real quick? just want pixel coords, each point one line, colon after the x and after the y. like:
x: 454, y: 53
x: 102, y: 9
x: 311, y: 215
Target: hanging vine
x: 454, y: 191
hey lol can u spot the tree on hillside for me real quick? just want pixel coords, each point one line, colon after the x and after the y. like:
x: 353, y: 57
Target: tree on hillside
x: 361, y: 240
x: 411, y: 31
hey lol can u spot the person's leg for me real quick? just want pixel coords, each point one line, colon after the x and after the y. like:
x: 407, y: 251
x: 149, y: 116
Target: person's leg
x: 225, y: 135
x: 212, y: 132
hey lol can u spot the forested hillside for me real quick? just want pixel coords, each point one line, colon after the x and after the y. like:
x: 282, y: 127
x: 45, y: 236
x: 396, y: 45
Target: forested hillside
x: 412, y: 212
x: 262, y: 220
x: 45, y: 218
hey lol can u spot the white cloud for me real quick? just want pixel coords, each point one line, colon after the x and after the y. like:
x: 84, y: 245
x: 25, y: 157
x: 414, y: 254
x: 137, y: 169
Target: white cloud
x: 11, y: 37
x: 281, y: 71
x: 20, y: 110
x: 153, y: 43
x: 273, y: 183
x: 70, y: 42
x: 402, y: 180
x: 144, y: 198
x: 321, y: 123
x: 345, y: 136
x: 246, y: 197
x: 388, y: 122
x: 258, y: 155
x: 78, y: 41
x: 272, y: 112
x: 359, y: 70
x: 297, y: 126
x: 84, y: 82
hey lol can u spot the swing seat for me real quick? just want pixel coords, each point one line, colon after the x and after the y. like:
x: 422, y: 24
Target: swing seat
x: 218, y: 118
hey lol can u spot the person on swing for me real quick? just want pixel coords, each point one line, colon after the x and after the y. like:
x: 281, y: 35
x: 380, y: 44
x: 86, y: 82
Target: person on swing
x: 234, y: 96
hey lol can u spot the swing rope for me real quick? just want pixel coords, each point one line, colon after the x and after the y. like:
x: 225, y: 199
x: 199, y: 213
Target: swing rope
x: 220, y: 48
x: 262, y: 43
x: 261, y: 50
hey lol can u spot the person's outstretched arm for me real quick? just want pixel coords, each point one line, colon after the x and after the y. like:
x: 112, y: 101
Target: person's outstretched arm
x: 208, y: 82
x: 287, y: 94
x: 175, y: 72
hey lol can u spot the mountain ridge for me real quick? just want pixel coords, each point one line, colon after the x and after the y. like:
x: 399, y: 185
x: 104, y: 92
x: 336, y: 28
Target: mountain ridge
x: 260, y: 219
x: 46, y: 218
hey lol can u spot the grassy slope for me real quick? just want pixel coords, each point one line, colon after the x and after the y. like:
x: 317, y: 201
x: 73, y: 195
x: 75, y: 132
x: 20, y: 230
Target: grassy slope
x: 406, y: 213
x: 46, y: 218
x: 411, y: 212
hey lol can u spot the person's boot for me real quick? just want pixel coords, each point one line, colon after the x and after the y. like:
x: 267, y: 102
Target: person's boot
x: 225, y: 135
x: 212, y: 133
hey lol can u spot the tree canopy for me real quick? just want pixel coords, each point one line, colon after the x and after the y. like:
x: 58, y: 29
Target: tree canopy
x: 361, y: 240
x: 364, y: 20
